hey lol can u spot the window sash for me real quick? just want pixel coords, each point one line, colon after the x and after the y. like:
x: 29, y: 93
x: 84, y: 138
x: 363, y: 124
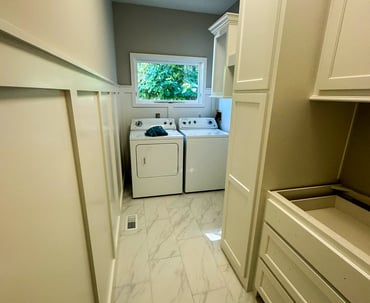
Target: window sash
x: 200, y: 62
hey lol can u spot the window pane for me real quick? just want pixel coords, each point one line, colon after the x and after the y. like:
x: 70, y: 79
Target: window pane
x: 160, y: 81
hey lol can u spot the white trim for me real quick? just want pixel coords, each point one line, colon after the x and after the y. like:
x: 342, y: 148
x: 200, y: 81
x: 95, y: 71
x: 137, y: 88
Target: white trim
x: 111, y: 281
x: 340, y: 98
x: 238, y: 184
x: 200, y: 61
x: 219, y: 27
x: 128, y: 89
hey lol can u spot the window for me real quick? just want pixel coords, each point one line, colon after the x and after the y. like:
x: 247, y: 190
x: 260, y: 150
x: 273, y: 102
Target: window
x: 160, y: 79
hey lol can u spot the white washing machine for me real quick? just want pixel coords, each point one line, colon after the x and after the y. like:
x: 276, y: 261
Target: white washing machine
x: 156, y: 162
x: 205, y: 154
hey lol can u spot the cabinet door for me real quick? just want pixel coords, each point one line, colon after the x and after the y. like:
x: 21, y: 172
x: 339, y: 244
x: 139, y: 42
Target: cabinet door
x: 345, y: 57
x: 259, y: 22
x: 242, y: 170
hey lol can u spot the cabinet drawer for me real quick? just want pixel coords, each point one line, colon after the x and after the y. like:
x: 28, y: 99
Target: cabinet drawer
x: 296, y: 276
x: 339, y: 266
x: 268, y: 287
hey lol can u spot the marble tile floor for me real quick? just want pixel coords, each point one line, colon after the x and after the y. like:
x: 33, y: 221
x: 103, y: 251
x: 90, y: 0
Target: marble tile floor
x: 174, y: 255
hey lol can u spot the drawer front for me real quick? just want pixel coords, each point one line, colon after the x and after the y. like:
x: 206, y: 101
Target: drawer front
x: 268, y: 287
x: 296, y: 276
x: 328, y: 259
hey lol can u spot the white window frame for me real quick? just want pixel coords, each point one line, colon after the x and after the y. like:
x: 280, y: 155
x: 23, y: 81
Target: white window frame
x: 168, y: 59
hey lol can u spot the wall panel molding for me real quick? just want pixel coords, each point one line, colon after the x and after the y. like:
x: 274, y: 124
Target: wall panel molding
x: 26, y: 65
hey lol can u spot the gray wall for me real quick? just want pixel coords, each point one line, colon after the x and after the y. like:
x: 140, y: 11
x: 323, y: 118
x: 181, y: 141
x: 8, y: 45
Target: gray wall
x: 80, y: 31
x: 356, y: 166
x: 234, y: 8
x: 146, y: 29
x: 306, y: 138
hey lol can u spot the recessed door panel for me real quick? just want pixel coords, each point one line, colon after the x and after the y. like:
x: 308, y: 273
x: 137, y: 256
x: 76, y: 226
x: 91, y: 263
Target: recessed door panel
x: 245, y: 137
x: 345, y: 60
x: 237, y: 224
x: 258, y: 29
x: 157, y: 160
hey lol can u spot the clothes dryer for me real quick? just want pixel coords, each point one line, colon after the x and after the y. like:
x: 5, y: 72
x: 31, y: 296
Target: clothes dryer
x: 156, y: 162
x: 205, y: 154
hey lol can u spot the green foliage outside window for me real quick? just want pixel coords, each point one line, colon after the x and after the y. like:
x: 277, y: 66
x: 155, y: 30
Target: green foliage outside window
x: 158, y: 81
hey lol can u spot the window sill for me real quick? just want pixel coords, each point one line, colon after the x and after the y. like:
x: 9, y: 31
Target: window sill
x: 130, y: 90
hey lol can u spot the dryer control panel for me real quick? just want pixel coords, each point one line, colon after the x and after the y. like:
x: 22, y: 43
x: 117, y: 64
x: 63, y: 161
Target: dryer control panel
x: 198, y: 123
x: 144, y: 124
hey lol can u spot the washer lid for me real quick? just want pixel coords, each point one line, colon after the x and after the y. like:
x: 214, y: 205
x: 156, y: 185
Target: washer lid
x: 140, y: 135
x: 204, y: 133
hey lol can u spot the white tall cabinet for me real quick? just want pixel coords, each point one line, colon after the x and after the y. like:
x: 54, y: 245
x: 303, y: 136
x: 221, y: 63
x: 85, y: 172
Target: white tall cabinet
x: 278, y: 138
x: 259, y: 29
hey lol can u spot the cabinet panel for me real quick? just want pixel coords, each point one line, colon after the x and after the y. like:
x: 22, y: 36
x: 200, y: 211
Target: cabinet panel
x: 244, y: 152
x: 236, y: 225
x: 345, y: 59
x: 245, y: 136
x: 258, y: 29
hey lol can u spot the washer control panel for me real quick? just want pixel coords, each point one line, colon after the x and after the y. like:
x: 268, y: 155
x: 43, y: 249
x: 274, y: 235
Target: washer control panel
x: 144, y: 124
x: 203, y: 123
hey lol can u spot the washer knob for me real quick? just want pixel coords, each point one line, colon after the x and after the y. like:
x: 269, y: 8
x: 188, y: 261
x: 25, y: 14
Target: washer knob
x: 209, y: 122
x: 184, y: 122
x: 139, y: 123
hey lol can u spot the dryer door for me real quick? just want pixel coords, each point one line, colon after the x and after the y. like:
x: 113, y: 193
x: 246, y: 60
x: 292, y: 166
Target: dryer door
x: 157, y: 160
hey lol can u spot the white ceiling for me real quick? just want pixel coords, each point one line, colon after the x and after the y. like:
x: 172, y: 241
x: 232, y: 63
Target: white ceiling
x: 201, y: 6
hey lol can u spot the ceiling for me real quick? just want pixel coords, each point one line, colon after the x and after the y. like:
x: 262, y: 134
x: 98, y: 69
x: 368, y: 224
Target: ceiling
x: 200, y: 6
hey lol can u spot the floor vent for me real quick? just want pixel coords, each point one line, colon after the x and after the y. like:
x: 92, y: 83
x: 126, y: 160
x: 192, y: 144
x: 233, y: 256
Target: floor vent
x: 131, y: 222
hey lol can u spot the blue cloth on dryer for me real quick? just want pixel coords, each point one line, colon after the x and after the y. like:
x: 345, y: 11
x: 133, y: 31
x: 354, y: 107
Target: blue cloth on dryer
x: 156, y: 131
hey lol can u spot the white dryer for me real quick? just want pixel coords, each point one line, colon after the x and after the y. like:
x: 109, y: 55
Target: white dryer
x: 205, y: 154
x: 156, y: 162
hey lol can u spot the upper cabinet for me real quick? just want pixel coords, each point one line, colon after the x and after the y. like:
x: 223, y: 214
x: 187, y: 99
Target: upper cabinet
x: 225, y: 32
x: 256, y: 44
x: 345, y: 57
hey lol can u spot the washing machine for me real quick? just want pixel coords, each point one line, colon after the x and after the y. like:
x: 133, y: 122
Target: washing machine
x: 156, y: 162
x: 205, y: 154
